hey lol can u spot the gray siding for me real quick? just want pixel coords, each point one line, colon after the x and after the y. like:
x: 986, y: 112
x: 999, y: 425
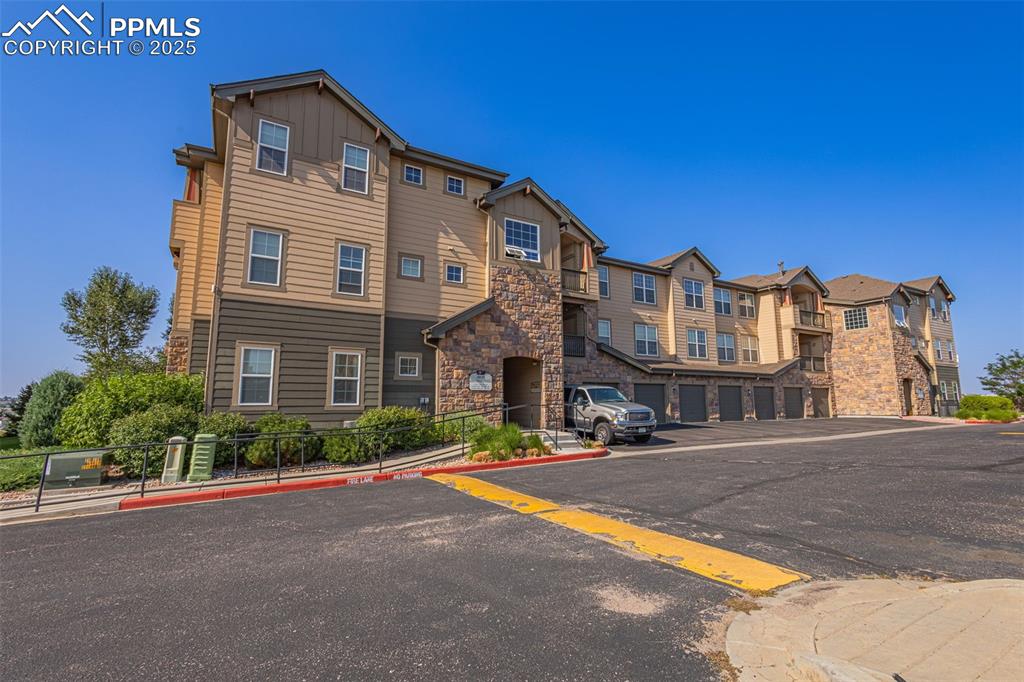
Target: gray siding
x: 304, y: 335
x: 406, y: 335
x: 200, y: 346
x: 948, y: 374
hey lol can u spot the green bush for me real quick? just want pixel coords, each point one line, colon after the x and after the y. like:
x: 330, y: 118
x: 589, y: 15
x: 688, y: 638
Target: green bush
x: 21, y: 473
x: 345, y: 447
x: 982, y: 403
x: 418, y: 429
x: 535, y: 442
x: 501, y: 441
x: 154, y: 425
x: 87, y: 422
x: 449, y: 429
x: 226, y: 425
x: 263, y: 452
x: 51, y: 399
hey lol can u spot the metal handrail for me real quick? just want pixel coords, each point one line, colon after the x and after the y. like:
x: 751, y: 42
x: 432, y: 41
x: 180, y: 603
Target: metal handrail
x: 574, y: 346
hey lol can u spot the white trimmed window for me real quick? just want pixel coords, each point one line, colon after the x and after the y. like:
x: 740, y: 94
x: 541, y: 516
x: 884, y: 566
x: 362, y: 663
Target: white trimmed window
x: 696, y: 343
x: 264, y: 257
x: 726, y: 347
x: 949, y: 349
x: 932, y: 305
x: 750, y: 353
x: 256, y: 376
x: 723, y: 302
x: 603, y: 285
x: 453, y: 274
x: 411, y: 267
x: 646, y: 336
x: 956, y: 390
x: 855, y: 318
x: 454, y: 185
x: 604, y: 332
x: 943, y: 391
x: 351, y: 264
x: 913, y: 342
x: 899, y: 314
x: 746, y: 305
x: 272, y: 148
x: 944, y: 308
x: 938, y: 349
x: 408, y: 366
x: 345, y: 377
x: 355, y: 174
x: 522, y: 238
x: 693, y: 291
x: 643, y: 288
x: 413, y: 175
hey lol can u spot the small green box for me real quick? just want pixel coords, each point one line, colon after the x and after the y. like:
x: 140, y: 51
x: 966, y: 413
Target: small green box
x: 76, y: 470
x: 203, y: 451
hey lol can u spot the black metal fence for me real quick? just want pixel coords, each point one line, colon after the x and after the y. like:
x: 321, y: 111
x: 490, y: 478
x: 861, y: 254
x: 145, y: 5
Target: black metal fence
x: 448, y: 428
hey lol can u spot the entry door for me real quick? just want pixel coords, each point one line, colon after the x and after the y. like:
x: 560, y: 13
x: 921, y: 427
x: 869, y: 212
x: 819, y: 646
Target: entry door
x: 794, y: 398
x: 820, y: 402
x: 908, y: 397
x: 691, y: 404
x: 730, y: 404
x: 764, y: 402
x: 653, y: 396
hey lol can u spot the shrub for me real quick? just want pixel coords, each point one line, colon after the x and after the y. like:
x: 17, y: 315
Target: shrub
x: 419, y: 429
x: 982, y: 403
x: 345, y: 447
x: 501, y: 441
x: 263, y: 452
x: 449, y: 430
x: 51, y: 398
x: 154, y: 425
x: 225, y: 425
x: 87, y: 422
x: 21, y: 473
x: 535, y: 442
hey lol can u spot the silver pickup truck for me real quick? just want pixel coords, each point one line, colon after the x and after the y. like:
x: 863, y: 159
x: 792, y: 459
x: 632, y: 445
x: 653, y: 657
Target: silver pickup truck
x: 607, y: 415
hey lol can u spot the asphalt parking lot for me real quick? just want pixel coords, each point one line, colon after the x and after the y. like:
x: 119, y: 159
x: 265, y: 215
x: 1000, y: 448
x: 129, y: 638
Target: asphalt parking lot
x: 417, y: 580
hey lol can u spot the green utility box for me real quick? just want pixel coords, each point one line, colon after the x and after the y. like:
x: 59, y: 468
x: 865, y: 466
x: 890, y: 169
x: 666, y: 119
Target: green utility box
x: 203, y: 451
x: 174, y: 461
x: 76, y: 470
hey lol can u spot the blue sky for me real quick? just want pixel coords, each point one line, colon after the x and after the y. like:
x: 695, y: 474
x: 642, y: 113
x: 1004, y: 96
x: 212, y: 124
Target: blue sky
x: 881, y: 138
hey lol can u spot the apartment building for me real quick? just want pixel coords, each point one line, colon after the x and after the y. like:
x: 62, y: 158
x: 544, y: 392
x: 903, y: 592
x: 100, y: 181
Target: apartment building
x: 894, y: 351
x: 326, y: 265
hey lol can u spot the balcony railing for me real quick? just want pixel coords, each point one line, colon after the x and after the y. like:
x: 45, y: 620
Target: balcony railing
x: 809, y: 318
x: 812, y: 363
x: 574, y: 346
x: 574, y: 281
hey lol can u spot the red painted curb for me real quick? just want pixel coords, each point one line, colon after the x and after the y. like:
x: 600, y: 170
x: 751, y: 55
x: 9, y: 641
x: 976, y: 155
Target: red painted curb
x: 315, y: 484
x: 986, y: 421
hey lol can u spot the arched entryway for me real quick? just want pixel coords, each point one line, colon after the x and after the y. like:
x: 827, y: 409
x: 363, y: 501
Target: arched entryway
x: 521, y: 380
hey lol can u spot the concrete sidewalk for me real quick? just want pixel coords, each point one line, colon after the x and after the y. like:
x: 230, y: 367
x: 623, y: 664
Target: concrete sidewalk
x: 870, y: 630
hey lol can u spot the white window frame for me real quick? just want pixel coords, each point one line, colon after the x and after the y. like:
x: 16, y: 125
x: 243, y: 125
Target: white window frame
x: 646, y: 340
x: 697, y: 343
x: 345, y: 164
x: 448, y: 185
x: 956, y: 390
x: 447, y: 272
x: 938, y: 349
x: 653, y: 288
x: 261, y: 143
x: 949, y: 351
x: 728, y: 347
x: 943, y: 390
x: 901, y: 318
x: 607, y: 340
x: 751, y: 352
x: 280, y: 253
x: 855, y: 315
x: 532, y: 255
x: 339, y: 267
x: 412, y: 259
x: 398, y: 366
x: 358, y: 378
x: 694, y: 284
x: 726, y: 303
x: 740, y: 297
x: 405, y: 174
x: 913, y: 342
x: 242, y: 375
x: 605, y: 280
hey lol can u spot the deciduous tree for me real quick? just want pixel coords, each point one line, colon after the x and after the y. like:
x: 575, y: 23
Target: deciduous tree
x: 1005, y: 377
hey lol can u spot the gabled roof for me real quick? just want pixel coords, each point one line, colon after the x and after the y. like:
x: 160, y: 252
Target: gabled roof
x: 322, y: 80
x: 670, y: 261
x: 780, y: 279
x: 856, y: 287
x: 633, y: 265
x: 925, y: 284
x: 528, y: 186
x: 194, y: 155
x: 437, y: 331
x: 599, y: 244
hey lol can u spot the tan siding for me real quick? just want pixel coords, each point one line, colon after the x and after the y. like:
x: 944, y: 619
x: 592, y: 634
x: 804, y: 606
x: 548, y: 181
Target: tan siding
x: 733, y: 324
x: 525, y: 207
x: 693, y: 318
x: 425, y: 221
x: 209, y: 237
x: 769, y: 327
x: 940, y: 330
x: 185, y: 236
x: 624, y: 313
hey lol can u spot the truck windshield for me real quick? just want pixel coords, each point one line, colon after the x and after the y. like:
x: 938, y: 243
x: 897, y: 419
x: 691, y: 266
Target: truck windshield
x: 606, y: 395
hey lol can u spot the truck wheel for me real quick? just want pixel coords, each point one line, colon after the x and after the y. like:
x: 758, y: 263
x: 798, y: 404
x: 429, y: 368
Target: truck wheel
x: 603, y: 433
x: 642, y: 439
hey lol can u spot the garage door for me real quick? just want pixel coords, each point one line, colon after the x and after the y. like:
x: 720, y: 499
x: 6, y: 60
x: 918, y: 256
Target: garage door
x: 653, y: 396
x: 691, y: 404
x: 730, y: 404
x: 794, y: 399
x: 820, y: 401
x: 764, y: 402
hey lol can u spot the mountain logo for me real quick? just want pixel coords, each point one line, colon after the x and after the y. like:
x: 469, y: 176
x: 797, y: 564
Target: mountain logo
x: 78, y: 20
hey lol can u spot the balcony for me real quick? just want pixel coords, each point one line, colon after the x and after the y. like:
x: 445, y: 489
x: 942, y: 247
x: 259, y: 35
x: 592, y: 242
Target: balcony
x: 574, y: 346
x: 812, y: 363
x: 809, y: 318
x: 795, y: 317
x: 574, y: 281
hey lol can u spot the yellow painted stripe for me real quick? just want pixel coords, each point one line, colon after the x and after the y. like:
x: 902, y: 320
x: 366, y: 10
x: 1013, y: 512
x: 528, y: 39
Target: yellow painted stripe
x: 1011, y: 433
x: 711, y: 562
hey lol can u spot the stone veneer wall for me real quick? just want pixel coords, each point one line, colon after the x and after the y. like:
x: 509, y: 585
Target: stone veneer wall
x: 525, y: 321
x: 176, y: 351
x: 908, y: 366
x: 863, y: 365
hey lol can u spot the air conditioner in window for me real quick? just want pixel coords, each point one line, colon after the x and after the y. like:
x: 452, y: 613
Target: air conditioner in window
x: 515, y: 252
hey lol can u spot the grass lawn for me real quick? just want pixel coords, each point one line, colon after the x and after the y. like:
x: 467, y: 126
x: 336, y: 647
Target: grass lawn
x: 9, y: 443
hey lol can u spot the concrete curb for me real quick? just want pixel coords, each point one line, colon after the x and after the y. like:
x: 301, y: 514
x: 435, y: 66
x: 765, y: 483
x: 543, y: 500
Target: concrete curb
x: 190, y: 497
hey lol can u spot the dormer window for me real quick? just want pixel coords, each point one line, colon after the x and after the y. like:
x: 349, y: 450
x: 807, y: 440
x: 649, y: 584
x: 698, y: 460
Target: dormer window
x: 272, y: 148
x: 899, y: 314
x: 522, y: 240
x: 356, y: 172
x: 455, y: 186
